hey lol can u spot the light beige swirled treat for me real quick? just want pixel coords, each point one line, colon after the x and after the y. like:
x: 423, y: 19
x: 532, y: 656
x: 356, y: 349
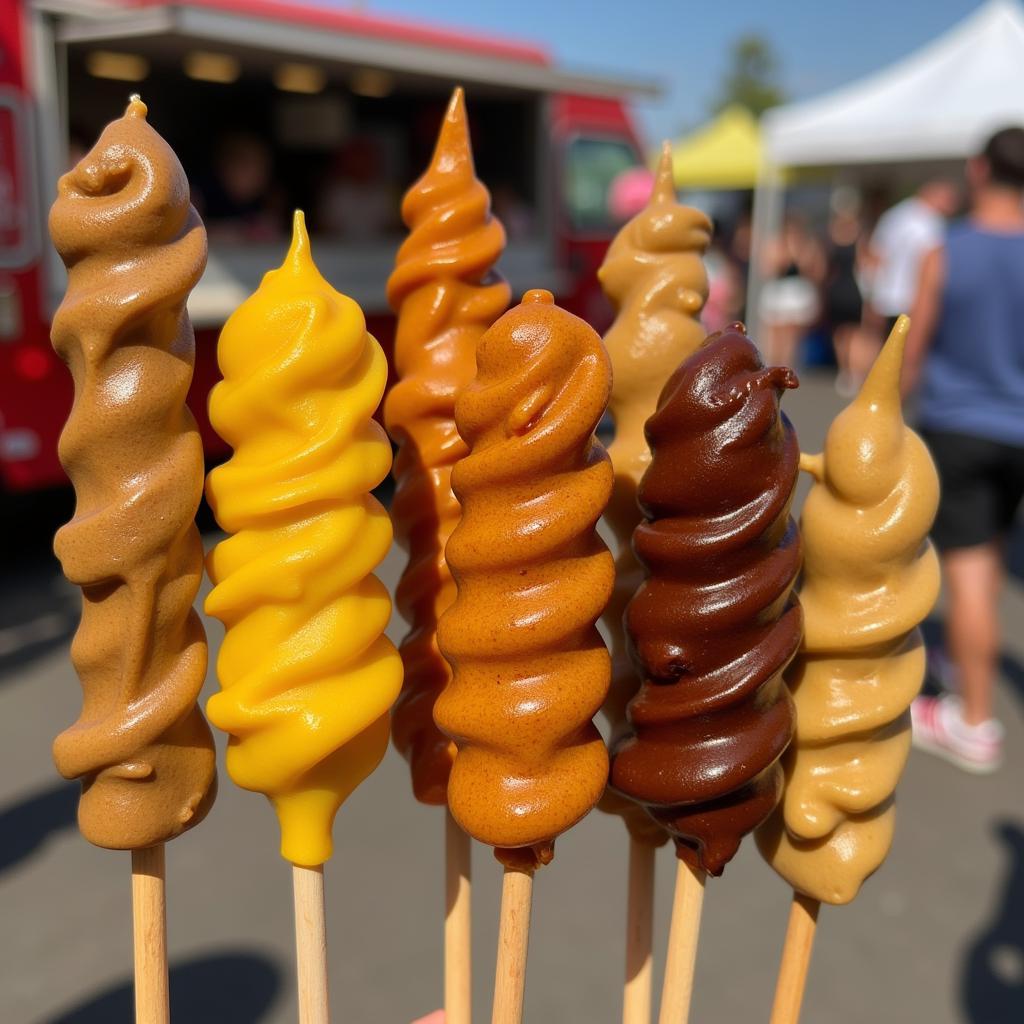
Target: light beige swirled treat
x: 654, y: 276
x: 870, y: 577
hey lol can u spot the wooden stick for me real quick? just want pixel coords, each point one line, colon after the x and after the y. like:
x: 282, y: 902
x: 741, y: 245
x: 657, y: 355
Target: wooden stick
x: 149, y: 917
x: 311, y: 944
x: 513, y: 940
x: 636, y: 995
x: 683, y: 934
x: 796, y: 959
x: 458, y: 984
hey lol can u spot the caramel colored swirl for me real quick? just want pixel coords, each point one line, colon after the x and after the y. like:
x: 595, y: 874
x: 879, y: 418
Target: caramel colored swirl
x: 530, y: 669
x: 869, y: 578
x: 715, y: 623
x: 307, y: 675
x: 134, y: 248
x: 654, y: 276
x: 446, y: 294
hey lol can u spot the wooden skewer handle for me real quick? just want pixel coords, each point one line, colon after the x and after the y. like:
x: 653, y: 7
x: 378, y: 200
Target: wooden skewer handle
x: 636, y: 996
x: 796, y: 960
x: 149, y: 919
x: 683, y: 935
x: 458, y: 984
x: 311, y: 944
x: 513, y: 941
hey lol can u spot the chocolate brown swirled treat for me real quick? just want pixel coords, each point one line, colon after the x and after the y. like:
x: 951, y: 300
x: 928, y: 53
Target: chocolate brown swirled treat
x: 445, y: 293
x: 134, y: 248
x: 530, y: 669
x: 715, y: 623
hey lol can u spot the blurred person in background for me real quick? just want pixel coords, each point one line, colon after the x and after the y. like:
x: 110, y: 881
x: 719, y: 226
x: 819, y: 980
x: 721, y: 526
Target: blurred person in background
x: 966, y: 352
x: 855, y: 348
x: 902, y: 237
x: 240, y: 201
x: 790, y: 303
x: 356, y: 201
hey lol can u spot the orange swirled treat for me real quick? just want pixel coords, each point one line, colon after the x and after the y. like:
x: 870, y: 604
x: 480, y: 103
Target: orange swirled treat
x: 134, y: 248
x: 869, y: 578
x: 654, y: 276
x: 530, y: 669
x: 445, y: 294
x: 308, y: 677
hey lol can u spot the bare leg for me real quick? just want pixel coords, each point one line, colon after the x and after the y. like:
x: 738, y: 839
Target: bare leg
x: 841, y: 343
x: 973, y: 579
x: 780, y: 344
x: 864, y: 346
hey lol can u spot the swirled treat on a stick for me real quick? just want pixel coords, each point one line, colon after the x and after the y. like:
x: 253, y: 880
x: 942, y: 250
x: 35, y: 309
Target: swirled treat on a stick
x: 714, y: 624
x: 655, y: 278
x: 530, y: 668
x: 134, y: 248
x: 445, y: 294
x: 307, y: 675
x: 869, y: 578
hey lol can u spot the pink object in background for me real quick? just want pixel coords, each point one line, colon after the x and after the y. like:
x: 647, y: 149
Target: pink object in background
x: 629, y: 193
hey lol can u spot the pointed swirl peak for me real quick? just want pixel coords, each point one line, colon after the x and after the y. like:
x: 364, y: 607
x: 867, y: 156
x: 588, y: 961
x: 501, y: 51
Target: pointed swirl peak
x: 871, y: 426
x: 664, y: 177
x: 453, y: 152
x: 881, y: 389
x: 136, y: 108
x: 300, y: 257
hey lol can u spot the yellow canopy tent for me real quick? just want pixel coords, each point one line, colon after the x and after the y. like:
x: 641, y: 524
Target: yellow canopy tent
x: 723, y: 154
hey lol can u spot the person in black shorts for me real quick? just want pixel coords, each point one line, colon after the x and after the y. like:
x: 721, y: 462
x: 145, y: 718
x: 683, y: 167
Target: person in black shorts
x: 966, y: 348
x: 982, y: 488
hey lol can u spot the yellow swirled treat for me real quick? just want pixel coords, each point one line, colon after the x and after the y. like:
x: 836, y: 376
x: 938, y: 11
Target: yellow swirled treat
x: 869, y: 578
x: 654, y: 276
x: 308, y: 677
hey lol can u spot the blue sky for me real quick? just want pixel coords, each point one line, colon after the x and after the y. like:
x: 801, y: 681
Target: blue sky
x: 821, y: 43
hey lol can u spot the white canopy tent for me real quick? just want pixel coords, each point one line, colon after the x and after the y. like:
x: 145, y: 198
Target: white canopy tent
x: 939, y: 103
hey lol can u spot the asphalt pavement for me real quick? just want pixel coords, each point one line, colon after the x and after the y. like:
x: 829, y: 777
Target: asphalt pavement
x: 936, y: 937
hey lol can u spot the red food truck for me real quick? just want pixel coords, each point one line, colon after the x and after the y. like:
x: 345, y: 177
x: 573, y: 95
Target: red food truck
x: 272, y: 106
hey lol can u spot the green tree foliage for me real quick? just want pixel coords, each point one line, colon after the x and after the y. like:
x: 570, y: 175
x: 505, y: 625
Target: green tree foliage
x: 752, y: 76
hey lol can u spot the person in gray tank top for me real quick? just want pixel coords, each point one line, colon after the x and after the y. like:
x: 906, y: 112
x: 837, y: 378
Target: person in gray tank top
x: 965, y: 357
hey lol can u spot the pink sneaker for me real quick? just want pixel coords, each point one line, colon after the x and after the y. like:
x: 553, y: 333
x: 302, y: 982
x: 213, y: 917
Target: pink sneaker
x: 939, y: 729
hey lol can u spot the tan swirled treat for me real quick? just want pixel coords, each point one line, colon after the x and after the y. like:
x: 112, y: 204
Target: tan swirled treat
x: 134, y: 248
x: 445, y: 294
x: 530, y: 668
x: 654, y: 276
x: 869, y: 578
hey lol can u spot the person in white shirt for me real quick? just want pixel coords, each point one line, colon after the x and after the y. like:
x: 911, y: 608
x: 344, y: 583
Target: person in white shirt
x: 902, y: 237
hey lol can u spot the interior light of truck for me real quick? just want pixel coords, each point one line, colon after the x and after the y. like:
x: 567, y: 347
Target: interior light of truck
x: 10, y: 312
x: 212, y: 67
x: 32, y: 363
x: 123, y: 67
x: 304, y: 78
x: 372, y: 83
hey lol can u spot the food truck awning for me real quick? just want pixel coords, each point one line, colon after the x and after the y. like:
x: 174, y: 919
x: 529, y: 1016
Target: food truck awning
x: 335, y: 36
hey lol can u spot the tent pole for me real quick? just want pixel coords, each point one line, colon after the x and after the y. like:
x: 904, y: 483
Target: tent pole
x: 766, y: 221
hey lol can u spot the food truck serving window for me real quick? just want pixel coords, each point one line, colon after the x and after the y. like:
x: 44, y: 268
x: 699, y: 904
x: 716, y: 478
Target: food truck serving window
x: 592, y: 165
